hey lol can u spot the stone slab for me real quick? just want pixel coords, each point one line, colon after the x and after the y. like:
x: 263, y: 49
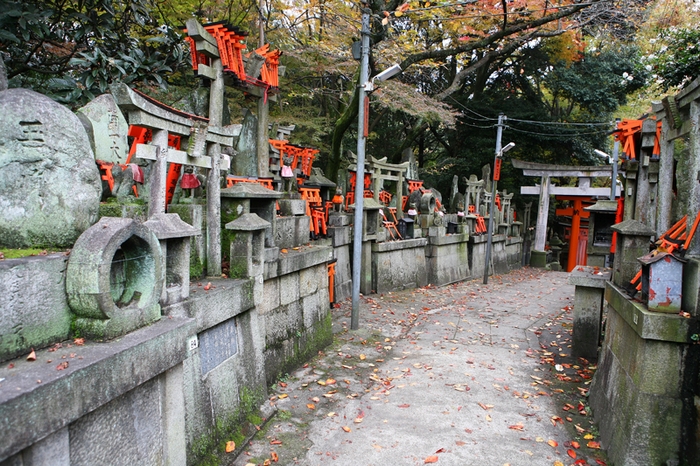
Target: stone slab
x: 650, y: 325
x: 225, y: 298
x: 34, y: 310
x: 592, y: 277
x: 30, y: 411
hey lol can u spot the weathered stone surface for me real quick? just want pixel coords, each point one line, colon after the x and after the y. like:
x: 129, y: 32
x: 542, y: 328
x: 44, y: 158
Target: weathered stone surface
x: 636, y: 395
x: 3, y: 76
x: 49, y: 184
x: 245, y: 164
x: 107, y: 129
x: 225, y: 299
x: 114, y: 278
x: 126, y: 431
x: 398, y: 265
x: 34, y: 311
x: 107, y: 370
x: 447, y: 259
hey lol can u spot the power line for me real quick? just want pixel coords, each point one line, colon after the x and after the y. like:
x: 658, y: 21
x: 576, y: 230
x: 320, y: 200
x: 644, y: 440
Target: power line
x: 601, y: 123
x: 553, y: 124
x: 478, y: 126
x: 559, y: 135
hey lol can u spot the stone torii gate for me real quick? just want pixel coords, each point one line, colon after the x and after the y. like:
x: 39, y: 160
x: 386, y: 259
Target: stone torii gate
x: 546, y: 189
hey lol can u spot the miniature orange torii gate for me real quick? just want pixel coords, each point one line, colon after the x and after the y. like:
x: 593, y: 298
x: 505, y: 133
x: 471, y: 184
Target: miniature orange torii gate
x: 219, y: 45
x: 627, y: 133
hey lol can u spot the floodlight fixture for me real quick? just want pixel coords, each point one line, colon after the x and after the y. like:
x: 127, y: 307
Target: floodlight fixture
x: 604, y: 155
x: 388, y: 73
x: 383, y: 76
x: 508, y: 147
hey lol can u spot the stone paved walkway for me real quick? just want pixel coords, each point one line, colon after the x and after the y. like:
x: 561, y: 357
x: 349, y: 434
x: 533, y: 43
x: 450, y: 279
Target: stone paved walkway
x: 466, y: 374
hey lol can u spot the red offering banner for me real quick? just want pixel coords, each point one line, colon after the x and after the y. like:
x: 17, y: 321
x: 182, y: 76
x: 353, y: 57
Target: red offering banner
x: 497, y: 169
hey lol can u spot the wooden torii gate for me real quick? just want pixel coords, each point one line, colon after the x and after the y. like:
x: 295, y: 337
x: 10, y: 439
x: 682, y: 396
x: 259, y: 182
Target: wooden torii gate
x: 546, y: 189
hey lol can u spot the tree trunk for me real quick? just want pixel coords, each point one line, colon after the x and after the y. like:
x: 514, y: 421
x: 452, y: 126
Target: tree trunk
x: 341, y: 126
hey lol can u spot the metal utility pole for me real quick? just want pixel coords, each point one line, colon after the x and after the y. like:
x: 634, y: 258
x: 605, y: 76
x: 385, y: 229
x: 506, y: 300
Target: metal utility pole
x: 360, y: 175
x: 495, y: 175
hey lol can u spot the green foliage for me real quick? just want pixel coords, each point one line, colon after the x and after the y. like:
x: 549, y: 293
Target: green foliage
x: 73, y: 51
x: 600, y: 81
x: 679, y: 61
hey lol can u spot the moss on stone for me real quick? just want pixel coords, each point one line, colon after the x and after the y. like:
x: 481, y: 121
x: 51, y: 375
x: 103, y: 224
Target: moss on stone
x: 210, y: 448
x: 28, y: 252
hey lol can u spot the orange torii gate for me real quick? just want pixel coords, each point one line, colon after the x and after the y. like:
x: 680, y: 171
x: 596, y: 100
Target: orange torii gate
x: 577, y: 249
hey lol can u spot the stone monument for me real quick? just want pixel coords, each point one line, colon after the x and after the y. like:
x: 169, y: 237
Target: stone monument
x: 49, y: 184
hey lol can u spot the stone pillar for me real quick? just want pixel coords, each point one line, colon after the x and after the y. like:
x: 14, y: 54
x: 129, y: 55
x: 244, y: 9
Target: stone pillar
x: 665, y: 197
x: 538, y: 254
x: 216, y: 112
x: 156, y: 203
x: 643, y: 208
x: 588, y: 309
x: 633, y: 239
x: 263, y: 145
x: 694, y: 155
x: 214, y: 213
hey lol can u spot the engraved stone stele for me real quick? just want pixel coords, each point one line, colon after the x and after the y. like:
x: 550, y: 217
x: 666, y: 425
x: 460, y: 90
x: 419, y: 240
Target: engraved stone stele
x: 114, y: 278
x: 49, y: 184
x: 107, y: 129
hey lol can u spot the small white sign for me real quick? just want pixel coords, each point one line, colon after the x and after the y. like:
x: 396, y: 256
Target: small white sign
x: 192, y: 343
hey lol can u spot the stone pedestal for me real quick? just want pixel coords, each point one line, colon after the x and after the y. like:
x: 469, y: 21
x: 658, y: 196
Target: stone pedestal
x: 633, y: 238
x: 538, y: 258
x: 174, y: 237
x: 588, y: 309
x: 637, y: 395
x: 247, y: 247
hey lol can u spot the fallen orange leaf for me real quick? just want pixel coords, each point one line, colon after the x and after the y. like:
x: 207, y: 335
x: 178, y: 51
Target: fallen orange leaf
x: 311, y: 406
x: 552, y: 443
x: 79, y: 341
x: 575, y: 444
x: 431, y: 459
x: 274, y: 456
x: 346, y: 429
x: 207, y: 287
x: 571, y: 453
x: 32, y: 356
x: 230, y: 446
x: 517, y: 427
x: 267, y: 462
x: 593, y: 444
x: 275, y: 442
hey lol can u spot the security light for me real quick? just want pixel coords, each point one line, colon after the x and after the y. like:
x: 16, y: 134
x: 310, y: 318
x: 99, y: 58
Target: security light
x: 508, y: 147
x: 383, y: 76
x: 602, y: 154
x: 388, y: 73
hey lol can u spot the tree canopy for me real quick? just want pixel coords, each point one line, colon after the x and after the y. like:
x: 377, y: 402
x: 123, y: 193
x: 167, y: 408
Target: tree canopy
x: 558, y: 70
